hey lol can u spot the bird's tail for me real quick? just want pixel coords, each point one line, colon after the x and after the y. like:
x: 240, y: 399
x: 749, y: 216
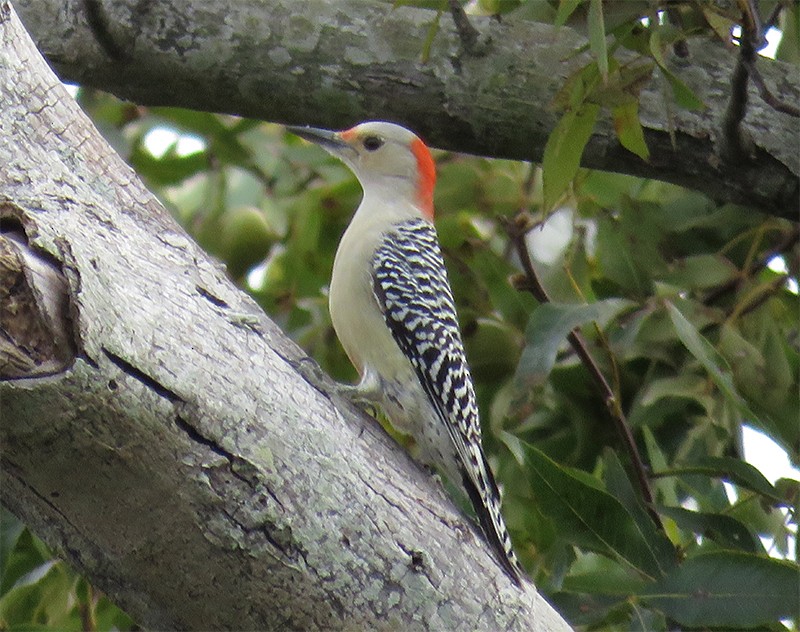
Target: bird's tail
x: 485, y: 499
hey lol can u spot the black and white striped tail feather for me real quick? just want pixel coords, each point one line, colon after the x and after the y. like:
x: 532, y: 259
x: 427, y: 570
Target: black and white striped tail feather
x: 486, y: 503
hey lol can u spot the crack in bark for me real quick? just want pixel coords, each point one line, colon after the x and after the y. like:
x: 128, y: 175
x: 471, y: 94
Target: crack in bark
x: 9, y: 468
x: 139, y: 375
x: 381, y: 494
x: 280, y: 538
x: 233, y: 460
x: 417, y: 562
x: 214, y: 300
x: 290, y: 553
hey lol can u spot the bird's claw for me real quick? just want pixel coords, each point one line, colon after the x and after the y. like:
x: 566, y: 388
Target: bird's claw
x: 357, y: 397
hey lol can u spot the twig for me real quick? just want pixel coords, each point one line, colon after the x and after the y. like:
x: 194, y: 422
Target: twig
x: 762, y: 296
x: 86, y: 610
x: 736, y: 143
x: 758, y: 40
x: 773, y: 17
x: 770, y: 99
x: 733, y: 136
x: 517, y: 229
x: 469, y: 35
x: 788, y: 242
x: 99, y: 25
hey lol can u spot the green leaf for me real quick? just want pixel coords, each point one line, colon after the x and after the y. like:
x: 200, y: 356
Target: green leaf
x: 700, y: 271
x: 431, y: 5
x: 586, y: 515
x: 597, y: 36
x: 202, y: 123
x: 492, y: 347
x: 10, y: 531
x: 644, y: 620
x: 109, y: 617
x: 565, y: 9
x: 681, y: 386
x: 582, y: 609
x: 683, y: 94
x: 726, y: 531
x: 789, y: 47
x: 170, y: 168
x: 27, y: 554
x: 498, y: 7
x: 619, y: 485
x: 562, y: 154
x: 788, y: 489
x: 780, y: 377
x: 433, y: 29
x: 578, y: 88
x: 729, y: 469
x: 244, y: 239
x: 720, y: 23
x: 729, y: 590
x: 659, y: 462
x: 42, y: 596
x: 629, y: 129
x: 547, y: 329
x: 705, y: 353
x: 617, y: 261
x: 599, y: 575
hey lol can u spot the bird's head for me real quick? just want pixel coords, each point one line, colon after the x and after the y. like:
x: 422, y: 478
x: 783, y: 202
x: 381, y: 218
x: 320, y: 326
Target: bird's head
x: 383, y: 156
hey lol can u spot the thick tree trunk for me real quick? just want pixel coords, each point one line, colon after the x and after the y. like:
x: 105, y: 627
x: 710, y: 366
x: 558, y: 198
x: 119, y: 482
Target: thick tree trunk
x: 338, y: 63
x: 165, y: 440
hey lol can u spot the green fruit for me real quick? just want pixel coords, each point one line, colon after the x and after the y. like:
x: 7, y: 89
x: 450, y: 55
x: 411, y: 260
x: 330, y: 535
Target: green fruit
x: 245, y: 239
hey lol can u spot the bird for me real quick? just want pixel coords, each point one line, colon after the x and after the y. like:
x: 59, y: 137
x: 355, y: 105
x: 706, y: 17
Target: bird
x: 393, y: 311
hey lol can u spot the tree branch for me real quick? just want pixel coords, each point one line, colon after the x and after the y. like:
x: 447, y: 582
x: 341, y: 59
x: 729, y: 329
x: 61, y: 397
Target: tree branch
x: 469, y: 34
x: 517, y: 229
x: 334, y: 64
x: 181, y: 460
x: 789, y: 240
x: 736, y: 141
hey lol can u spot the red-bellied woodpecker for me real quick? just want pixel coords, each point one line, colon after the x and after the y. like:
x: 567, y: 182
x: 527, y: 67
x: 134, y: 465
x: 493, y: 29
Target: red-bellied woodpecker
x: 393, y: 312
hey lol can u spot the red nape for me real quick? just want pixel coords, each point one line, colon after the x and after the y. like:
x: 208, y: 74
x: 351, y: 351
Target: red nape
x: 427, y: 177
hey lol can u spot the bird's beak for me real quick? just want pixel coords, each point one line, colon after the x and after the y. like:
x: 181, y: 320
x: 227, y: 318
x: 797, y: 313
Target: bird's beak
x: 331, y: 141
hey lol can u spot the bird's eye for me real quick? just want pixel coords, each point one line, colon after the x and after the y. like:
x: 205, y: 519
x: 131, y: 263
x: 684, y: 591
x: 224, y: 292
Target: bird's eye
x: 371, y: 143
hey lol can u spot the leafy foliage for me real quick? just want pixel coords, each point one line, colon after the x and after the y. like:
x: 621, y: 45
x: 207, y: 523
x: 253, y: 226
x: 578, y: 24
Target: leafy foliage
x: 693, y: 328
x: 39, y: 592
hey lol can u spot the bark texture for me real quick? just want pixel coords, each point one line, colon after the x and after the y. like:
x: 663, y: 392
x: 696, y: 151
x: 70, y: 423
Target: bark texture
x: 338, y: 63
x: 185, y: 459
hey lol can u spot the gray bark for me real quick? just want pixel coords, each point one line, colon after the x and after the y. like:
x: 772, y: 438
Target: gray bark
x: 337, y: 63
x: 185, y: 459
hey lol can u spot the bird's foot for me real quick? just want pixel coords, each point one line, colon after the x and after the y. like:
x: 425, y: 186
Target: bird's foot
x: 357, y: 397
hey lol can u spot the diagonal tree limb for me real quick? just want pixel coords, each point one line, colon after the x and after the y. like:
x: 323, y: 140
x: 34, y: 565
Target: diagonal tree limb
x: 184, y: 460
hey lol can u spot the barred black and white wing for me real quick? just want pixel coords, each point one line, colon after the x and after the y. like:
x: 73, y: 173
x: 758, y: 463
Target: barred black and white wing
x: 411, y: 287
